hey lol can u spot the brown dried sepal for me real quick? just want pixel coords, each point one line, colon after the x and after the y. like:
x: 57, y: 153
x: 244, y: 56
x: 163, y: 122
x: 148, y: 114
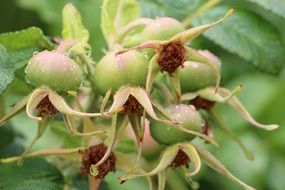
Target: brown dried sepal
x: 201, y: 103
x: 171, y: 56
x: 181, y: 159
x: 92, y: 155
x: 45, y: 108
x: 132, y: 106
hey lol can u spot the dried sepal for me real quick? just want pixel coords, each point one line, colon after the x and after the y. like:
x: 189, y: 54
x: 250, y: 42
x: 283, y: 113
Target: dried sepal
x: 139, y: 94
x: 60, y: 104
x: 215, y: 164
x: 193, y: 33
x: 203, y: 136
x: 189, y: 96
x: 211, y: 95
x: 166, y: 159
x: 36, y: 97
x: 14, y: 110
x: 162, y: 179
x: 193, y: 155
x: 237, y: 105
x: 153, y: 44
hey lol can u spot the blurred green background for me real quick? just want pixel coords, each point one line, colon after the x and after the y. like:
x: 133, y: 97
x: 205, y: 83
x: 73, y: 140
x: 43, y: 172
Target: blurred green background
x: 263, y: 94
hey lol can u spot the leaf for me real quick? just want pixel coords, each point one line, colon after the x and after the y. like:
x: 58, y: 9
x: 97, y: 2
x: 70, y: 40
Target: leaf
x: 6, y: 70
x: 247, y: 35
x: 115, y: 15
x: 34, y: 185
x: 34, y: 174
x: 73, y: 27
x: 7, y: 135
x: 22, y: 44
x: 276, y: 6
x: 178, y: 9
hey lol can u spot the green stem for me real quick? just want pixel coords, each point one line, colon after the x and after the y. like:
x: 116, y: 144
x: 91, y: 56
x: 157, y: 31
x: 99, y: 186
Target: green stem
x: 42, y: 126
x: 208, y: 5
x: 89, y: 65
x: 2, y: 106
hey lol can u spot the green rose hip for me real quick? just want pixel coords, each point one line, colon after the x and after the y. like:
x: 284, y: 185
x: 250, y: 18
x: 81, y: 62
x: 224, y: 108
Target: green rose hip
x: 186, y: 116
x: 115, y: 71
x: 195, y: 76
x: 54, y: 70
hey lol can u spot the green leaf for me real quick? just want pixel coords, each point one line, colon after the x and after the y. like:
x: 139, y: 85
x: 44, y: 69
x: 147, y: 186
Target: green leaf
x: 34, y: 185
x: 115, y: 15
x: 6, y: 135
x: 22, y: 44
x: 247, y: 35
x: 34, y: 174
x: 6, y: 70
x: 178, y: 9
x: 276, y: 6
x: 73, y: 27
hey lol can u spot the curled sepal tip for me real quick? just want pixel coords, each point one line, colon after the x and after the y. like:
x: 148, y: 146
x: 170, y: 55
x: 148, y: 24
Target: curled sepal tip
x: 215, y: 164
x: 193, y: 155
x: 210, y: 94
x: 35, y: 98
x: 193, y: 33
x: 237, y: 105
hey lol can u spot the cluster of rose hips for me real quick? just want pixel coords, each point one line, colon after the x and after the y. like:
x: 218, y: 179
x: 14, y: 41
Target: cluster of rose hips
x: 157, y: 78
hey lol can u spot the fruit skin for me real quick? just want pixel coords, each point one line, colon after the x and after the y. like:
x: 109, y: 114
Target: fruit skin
x: 195, y: 76
x: 162, y: 28
x: 186, y: 115
x: 115, y: 71
x: 55, y: 70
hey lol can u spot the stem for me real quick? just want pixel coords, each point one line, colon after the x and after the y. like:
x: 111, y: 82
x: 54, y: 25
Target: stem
x: 42, y: 126
x: 94, y: 183
x: 206, y: 6
x: 165, y: 91
x: 176, y: 86
x: 89, y: 65
x: 1, y: 106
x: 44, y: 152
